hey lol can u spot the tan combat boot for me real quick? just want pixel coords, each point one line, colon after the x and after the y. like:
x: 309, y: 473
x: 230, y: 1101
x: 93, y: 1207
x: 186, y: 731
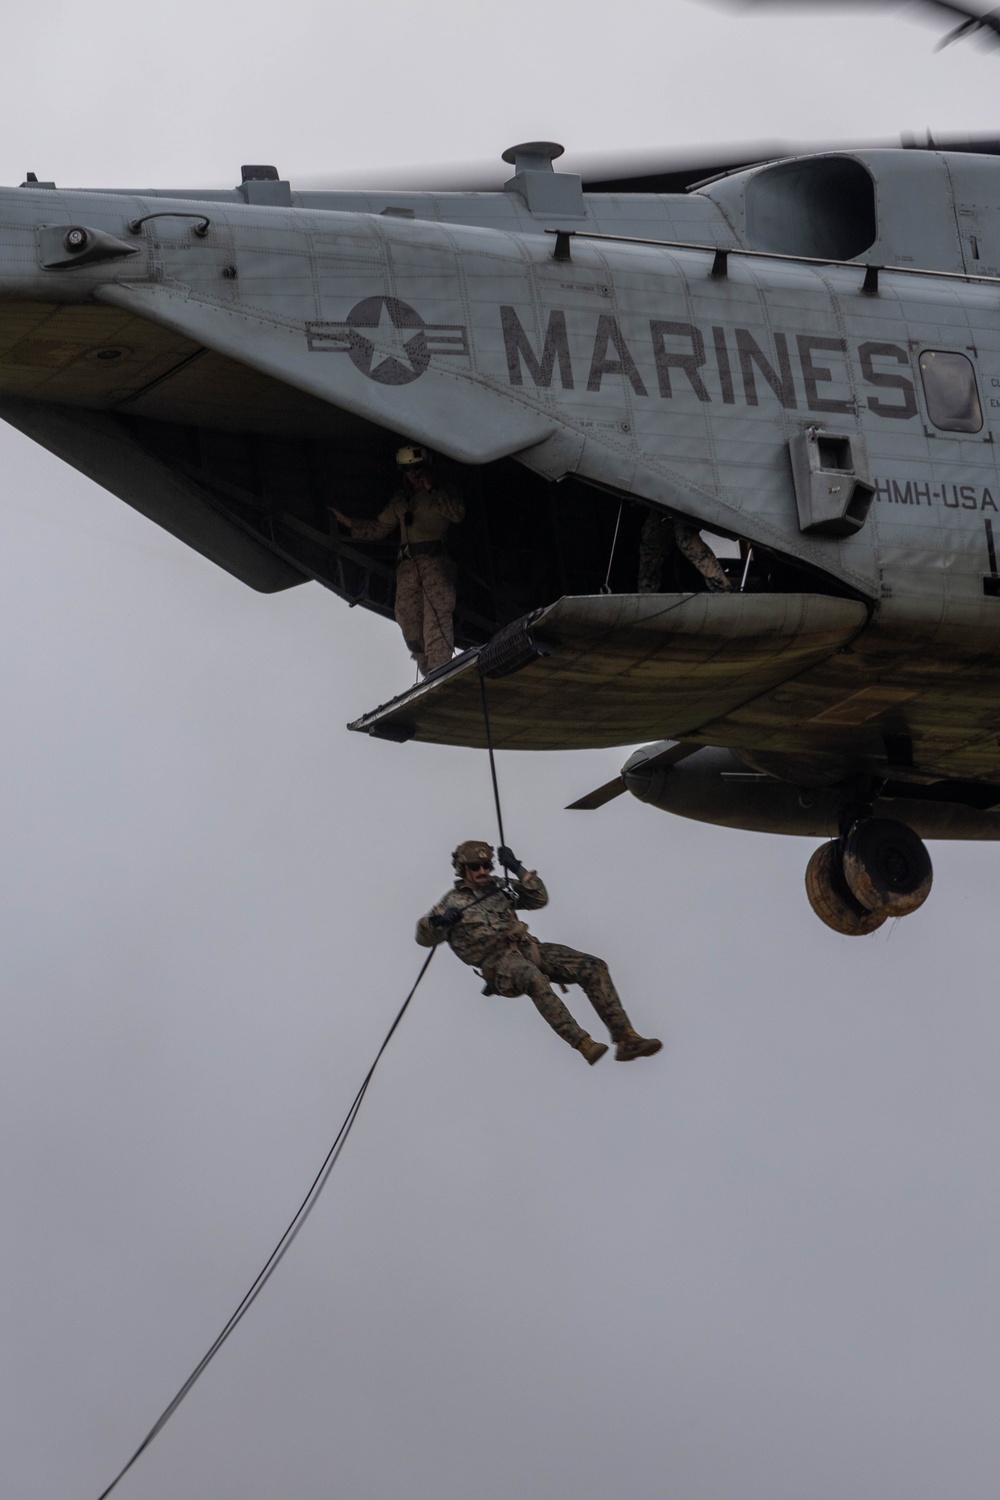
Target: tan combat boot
x: 591, y: 1050
x: 631, y: 1045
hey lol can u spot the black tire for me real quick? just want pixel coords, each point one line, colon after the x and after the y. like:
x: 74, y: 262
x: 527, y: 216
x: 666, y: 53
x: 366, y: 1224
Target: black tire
x: 887, y: 867
x: 832, y: 899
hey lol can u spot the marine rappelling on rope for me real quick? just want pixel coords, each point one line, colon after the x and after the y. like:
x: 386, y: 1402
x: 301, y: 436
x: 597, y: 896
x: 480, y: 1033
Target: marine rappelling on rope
x: 478, y: 921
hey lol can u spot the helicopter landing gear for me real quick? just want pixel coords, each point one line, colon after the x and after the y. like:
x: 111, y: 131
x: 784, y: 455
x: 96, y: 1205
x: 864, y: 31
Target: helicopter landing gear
x: 832, y: 899
x: 879, y: 869
x: 887, y: 867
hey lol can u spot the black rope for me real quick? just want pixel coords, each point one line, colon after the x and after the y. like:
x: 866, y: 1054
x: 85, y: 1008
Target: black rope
x: 489, y: 746
x: 284, y: 1244
x: 606, y: 589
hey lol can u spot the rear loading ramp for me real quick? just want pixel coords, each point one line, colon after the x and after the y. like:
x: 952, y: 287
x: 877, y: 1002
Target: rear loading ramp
x: 604, y: 670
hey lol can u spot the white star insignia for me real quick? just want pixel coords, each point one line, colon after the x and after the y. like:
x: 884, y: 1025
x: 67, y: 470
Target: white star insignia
x: 388, y: 341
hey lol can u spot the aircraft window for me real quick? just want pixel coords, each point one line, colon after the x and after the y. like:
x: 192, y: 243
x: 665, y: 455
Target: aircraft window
x: 950, y: 389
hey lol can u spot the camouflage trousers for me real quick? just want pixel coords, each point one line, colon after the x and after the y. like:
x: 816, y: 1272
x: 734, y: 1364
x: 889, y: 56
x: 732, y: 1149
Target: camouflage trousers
x: 425, y: 607
x: 514, y: 974
x: 659, y: 535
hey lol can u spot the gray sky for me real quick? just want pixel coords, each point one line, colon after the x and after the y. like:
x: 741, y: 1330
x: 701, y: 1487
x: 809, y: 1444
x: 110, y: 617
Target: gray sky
x: 759, y: 1267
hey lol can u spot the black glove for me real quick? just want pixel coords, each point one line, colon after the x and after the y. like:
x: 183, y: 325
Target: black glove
x: 446, y: 918
x: 509, y: 860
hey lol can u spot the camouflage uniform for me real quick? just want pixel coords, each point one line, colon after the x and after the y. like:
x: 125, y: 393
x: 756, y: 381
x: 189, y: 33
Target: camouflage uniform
x: 660, y: 534
x: 425, y: 574
x: 492, y: 939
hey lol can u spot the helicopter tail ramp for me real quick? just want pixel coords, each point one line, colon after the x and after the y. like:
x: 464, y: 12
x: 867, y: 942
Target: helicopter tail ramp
x: 606, y: 670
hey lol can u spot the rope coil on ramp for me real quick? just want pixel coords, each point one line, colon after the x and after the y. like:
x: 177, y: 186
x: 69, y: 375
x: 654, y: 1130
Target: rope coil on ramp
x: 281, y: 1248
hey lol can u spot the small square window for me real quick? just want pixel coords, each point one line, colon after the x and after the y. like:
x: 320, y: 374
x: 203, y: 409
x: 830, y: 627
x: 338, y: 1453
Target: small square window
x: 950, y: 390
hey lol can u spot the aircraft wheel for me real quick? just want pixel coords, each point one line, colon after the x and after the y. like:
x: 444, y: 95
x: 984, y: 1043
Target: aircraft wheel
x: 887, y: 867
x: 831, y: 897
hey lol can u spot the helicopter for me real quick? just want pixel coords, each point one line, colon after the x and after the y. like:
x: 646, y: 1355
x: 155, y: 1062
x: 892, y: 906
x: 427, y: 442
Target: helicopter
x: 797, y: 353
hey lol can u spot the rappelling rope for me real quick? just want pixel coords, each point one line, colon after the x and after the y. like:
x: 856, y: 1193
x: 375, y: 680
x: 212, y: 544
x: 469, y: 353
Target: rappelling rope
x: 493, y: 762
x: 507, y: 879
x: 284, y: 1244
x: 606, y: 587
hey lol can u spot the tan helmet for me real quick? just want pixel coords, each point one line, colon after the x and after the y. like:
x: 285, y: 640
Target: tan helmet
x: 411, y: 456
x: 471, y: 852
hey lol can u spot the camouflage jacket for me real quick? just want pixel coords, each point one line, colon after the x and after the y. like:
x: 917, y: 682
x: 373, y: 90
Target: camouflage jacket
x: 421, y: 515
x: 489, y: 925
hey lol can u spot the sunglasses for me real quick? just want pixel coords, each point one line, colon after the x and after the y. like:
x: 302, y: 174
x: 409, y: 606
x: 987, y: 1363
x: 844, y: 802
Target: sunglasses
x: 480, y: 864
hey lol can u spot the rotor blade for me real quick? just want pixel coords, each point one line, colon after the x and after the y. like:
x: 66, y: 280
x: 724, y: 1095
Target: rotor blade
x: 638, y: 172
x: 974, y: 19
x: 597, y: 798
x: 676, y: 171
x: 649, y: 171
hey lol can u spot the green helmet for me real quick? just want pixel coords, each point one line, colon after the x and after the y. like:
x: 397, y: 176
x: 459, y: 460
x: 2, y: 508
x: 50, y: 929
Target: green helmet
x: 472, y: 852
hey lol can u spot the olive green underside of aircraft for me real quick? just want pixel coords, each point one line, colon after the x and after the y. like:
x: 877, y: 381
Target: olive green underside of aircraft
x: 776, y: 677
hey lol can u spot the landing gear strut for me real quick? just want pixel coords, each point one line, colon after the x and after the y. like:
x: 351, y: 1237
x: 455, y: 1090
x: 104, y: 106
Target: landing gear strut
x: 879, y: 868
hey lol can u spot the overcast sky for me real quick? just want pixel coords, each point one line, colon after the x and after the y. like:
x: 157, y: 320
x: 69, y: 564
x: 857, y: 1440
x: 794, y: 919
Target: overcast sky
x: 761, y: 1266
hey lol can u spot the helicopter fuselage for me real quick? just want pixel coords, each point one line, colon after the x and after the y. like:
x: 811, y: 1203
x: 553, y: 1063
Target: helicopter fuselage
x: 803, y: 358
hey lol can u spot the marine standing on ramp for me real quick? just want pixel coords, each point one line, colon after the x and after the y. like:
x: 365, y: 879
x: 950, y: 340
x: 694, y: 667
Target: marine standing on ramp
x: 425, y: 574
x: 476, y: 918
x: 662, y: 534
